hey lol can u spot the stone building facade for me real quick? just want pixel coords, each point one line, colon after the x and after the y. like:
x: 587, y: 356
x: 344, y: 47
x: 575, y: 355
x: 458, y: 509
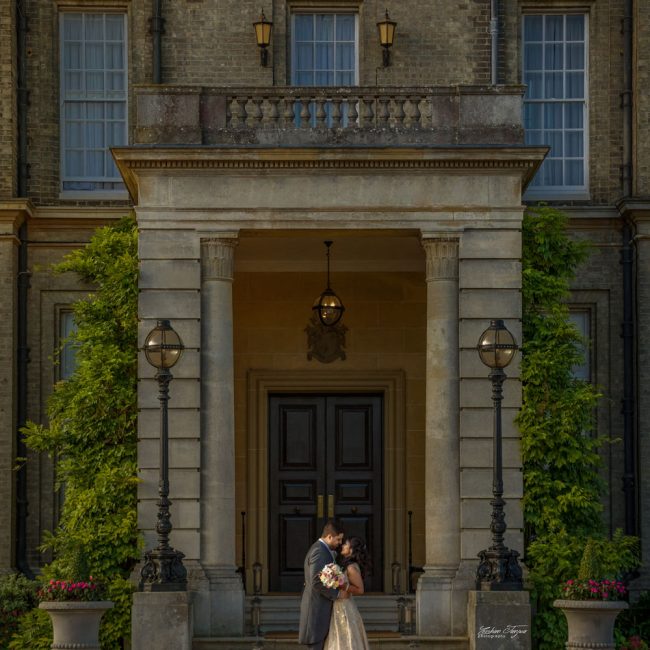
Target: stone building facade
x: 418, y: 171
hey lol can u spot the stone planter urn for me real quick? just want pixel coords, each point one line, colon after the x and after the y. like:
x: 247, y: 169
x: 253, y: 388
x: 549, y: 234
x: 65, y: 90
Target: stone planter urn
x: 591, y: 622
x: 76, y: 623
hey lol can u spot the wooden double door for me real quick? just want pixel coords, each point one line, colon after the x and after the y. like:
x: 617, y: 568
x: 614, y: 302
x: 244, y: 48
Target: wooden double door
x: 325, y: 460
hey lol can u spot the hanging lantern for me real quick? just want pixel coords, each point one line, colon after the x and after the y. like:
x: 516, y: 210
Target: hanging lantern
x: 328, y: 305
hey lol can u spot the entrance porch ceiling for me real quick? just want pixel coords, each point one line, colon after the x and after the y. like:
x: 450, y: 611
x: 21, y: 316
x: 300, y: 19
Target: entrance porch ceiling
x: 419, y: 188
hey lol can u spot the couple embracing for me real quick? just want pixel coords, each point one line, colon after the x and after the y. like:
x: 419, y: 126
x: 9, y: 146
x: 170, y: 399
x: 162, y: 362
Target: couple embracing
x: 329, y: 618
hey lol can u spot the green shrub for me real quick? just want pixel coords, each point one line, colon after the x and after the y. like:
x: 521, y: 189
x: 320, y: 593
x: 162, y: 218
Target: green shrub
x: 17, y: 597
x: 634, y: 624
x: 91, y: 432
x: 34, y: 632
x: 562, y: 488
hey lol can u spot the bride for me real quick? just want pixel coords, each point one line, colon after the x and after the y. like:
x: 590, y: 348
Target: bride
x: 346, y: 626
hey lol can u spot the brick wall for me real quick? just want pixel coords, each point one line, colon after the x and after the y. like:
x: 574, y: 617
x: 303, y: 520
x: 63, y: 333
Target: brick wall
x: 8, y: 133
x: 642, y: 101
x: 438, y: 42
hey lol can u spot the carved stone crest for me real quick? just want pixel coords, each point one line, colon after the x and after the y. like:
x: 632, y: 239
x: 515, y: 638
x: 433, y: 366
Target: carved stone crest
x: 325, y: 343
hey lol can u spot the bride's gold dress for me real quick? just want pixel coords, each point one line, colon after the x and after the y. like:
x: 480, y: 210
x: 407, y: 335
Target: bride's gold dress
x: 346, y: 628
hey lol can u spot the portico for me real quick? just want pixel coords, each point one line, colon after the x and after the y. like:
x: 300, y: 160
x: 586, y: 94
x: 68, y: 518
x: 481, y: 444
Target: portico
x: 428, y: 251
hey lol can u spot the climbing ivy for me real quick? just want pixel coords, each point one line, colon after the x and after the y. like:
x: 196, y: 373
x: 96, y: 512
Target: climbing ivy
x: 562, y: 488
x: 91, y: 431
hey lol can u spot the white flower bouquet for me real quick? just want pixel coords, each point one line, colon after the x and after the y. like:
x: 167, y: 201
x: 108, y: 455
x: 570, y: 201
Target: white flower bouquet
x: 333, y: 576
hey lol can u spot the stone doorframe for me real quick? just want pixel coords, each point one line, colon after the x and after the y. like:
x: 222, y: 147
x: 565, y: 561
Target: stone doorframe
x: 391, y: 385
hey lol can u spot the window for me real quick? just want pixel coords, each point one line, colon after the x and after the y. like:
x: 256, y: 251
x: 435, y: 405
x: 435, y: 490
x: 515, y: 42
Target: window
x: 555, y: 106
x: 68, y: 352
x: 324, y: 51
x: 93, y: 99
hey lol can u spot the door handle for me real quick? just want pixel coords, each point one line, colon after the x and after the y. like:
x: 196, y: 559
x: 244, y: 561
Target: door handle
x: 319, y: 506
x: 330, y: 506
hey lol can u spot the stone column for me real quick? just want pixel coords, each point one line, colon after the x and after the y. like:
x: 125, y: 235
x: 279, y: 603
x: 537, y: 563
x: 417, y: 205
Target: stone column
x: 442, y: 480
x: 218, y: 517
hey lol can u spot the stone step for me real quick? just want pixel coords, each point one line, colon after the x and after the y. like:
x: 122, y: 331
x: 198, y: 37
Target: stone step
x: 377, y: 641
x: 281, y: 613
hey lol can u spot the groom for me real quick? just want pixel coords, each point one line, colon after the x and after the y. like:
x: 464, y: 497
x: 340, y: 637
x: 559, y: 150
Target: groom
x: 317, y: 600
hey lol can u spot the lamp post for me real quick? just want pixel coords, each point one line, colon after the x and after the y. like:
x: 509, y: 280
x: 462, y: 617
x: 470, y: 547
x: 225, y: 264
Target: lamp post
x: 163, y: 568
x: 498, y: 569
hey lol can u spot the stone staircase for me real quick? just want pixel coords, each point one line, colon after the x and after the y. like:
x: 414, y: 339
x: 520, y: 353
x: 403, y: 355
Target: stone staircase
x: 278, y: 619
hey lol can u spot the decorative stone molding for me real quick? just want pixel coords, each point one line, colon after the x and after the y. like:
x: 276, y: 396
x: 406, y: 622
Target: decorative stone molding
x: 522, y: 161
x: 441, y: 258
x: 325, y: 343
x: 218, y: 258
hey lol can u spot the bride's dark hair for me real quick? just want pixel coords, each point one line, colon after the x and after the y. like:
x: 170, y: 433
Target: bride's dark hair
x: 359, y: 555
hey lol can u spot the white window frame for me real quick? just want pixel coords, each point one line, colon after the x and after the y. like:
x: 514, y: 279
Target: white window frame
x: 119, y: 192
x: 563, y: 192
x: 318, y: 11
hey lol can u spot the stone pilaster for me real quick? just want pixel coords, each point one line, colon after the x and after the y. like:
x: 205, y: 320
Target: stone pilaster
x: 12, y: 214
x: 218, y: 517
x: 641, y: 217
x: 442, y: 488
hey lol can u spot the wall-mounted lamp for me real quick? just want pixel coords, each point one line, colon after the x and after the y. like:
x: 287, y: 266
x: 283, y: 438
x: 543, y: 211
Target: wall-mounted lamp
x: 386, y: 29
x: 328, y: 305
x: 263, y: 29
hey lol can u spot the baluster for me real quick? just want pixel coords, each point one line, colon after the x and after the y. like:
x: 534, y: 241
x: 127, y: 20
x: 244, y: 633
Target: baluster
x: 416, y: 115
x: 321, y: 115
x: 239, y: 114
x: 353, y: 113
x: 229, y: 101
x: 305, y: 115
x: 336, y: 113
x: 399, y: 113
x: 256, y: 114
x: 383, y: 112
x: 288, y: 116
x: 368, y: 112
x: 274, y: 115
x: 428, y: 111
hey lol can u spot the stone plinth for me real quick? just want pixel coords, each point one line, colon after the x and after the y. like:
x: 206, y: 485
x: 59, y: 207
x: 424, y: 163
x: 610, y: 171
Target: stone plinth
x: 498, y: 620
x: 162, y: 620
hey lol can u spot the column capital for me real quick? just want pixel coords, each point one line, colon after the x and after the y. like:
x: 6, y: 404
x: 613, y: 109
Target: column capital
x: 441, y: 257
x: 218, y: 258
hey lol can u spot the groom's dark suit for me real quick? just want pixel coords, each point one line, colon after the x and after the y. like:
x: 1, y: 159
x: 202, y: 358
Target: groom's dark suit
x: 317, y: 600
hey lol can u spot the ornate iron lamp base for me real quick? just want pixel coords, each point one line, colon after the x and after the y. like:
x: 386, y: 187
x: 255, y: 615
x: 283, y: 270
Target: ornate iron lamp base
x: 163, y: 570
x: 499, y: 570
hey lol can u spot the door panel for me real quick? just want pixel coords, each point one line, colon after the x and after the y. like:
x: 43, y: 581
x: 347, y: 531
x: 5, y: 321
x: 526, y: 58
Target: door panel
x: 325, y: 459
x: 296, y: 447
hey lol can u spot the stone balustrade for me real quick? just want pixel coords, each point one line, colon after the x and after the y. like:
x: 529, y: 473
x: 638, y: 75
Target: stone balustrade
x: 319, y: 115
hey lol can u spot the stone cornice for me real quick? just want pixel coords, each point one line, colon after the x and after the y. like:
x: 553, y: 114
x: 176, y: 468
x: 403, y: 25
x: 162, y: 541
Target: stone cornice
x: 636, y: 209
x: 12, y: 214
x: 133, y: 161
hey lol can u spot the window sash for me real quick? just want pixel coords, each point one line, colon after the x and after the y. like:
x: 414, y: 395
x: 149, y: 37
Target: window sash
x: 93, y: 79
x: 555, y: 69
x: 67, y: 349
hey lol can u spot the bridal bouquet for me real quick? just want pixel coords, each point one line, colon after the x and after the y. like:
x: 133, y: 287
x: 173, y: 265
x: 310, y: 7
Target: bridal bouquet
x: 333, y: 577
